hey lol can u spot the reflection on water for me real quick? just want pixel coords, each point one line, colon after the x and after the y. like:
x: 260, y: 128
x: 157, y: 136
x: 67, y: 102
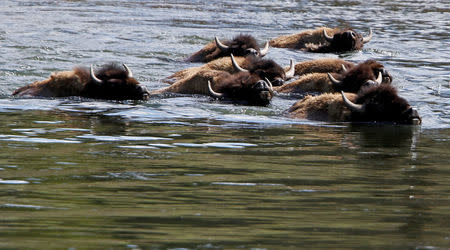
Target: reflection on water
x: 191, y: 172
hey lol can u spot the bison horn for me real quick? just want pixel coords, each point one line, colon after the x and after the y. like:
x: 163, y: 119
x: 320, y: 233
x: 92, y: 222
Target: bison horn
x: 212, y: 92
x: 344, y: 69
x: 236, y: 65
x: 367, y: 38
x: 379, y: 78
x: 327, y: 37
x: 129, y: 73
x: 291, y: 71
x: 94, y: 78
x: 264, y: 51
x: 334, y: 80
x: 270, y: 84
x: 353, y: 107
x: 220, y: 45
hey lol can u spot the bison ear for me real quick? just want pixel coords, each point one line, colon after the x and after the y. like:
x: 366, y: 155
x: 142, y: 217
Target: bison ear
x: 94, y: 78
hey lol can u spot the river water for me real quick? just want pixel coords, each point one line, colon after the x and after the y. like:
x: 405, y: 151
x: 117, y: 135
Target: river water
x: 189, y: 172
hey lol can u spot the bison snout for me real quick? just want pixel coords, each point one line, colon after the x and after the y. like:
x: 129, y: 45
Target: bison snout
x: 277, y: 82
x: 145, y: 93
x: 262, y: 85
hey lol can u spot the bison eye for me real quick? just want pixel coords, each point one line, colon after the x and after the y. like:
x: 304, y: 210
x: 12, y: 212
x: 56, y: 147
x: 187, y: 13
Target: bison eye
x: 277, y: 82
x: 252, y: 52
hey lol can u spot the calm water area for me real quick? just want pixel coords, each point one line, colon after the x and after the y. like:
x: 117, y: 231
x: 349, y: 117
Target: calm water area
x: 190, y: 172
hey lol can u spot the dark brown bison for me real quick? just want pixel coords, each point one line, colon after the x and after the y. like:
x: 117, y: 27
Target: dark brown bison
x: 349, y: 80
x: 243, y: 87
x: 112, y: 82
x: 241, y: 45
x: 379, y: 103
x: 323, y: 40
x: 266, y: 68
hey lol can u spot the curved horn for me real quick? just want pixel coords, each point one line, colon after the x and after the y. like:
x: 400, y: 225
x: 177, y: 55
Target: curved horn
x: 270, y: 84
x: 94, y: 78
x: 344, y: 68
x: 213, y: 93
x: 327, y: 37
x: 334, y: 80
x: 264, y: 51
x: 353, y: 107
x: 236, y: 65
x: 129, y: 73
x: 367, y: 38
x: 220, y: 45
x: 379, y: 78
x: 291, y: 71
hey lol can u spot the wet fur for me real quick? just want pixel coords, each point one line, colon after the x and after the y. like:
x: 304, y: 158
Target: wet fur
x: 238, y: 47
x: 315, y: 41
x: 116, y: 84
x: 382, y: 104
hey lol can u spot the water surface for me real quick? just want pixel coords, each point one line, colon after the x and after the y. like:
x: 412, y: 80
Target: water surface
x: 192, y: 172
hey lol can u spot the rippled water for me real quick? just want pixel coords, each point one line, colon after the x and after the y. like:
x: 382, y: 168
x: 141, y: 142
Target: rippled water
x: 190, y: 172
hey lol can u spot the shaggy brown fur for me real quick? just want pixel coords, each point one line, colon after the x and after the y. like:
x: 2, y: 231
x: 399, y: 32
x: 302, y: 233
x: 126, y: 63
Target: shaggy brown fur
x: 314, y: 82
x: 241, y: 45
x: 238, y: 86
x: 380, y: 103
x: 115, y: 85
x: 323, y: 65
x: 315, y: 41
x: 352, y: 80
x: 264, y: 68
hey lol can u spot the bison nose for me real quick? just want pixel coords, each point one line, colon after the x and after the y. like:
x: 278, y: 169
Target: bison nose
x: 277, y: 82
x: 416, y: 120
x: 145, y: 92
x: 261, y: 85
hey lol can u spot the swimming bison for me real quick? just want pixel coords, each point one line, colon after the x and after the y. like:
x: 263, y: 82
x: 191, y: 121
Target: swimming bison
x: 112, y: 82
x: 379, y: 103
x: 323, y: 40
x: 350, y: 79
x: 241, y: 45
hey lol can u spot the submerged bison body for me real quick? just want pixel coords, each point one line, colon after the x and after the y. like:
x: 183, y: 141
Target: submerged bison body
x: 264, y: 67
x: 365, y: 74
x: 112, y: 81
x: 379, y: 103
x: 244, y: 86
x: 241, y: 45
x: 323, y: 40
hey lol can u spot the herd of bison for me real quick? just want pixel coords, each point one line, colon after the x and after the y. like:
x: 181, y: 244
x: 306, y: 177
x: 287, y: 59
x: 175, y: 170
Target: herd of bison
x: 332, y: 89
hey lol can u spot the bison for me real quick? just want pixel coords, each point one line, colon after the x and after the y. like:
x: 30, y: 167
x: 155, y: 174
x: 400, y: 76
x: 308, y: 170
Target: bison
x: 379, y: 103
x: 112, y: 82
x: 352, y: 80
x: 241, y: 45
x: 323, y: 40
x: 244, y: 87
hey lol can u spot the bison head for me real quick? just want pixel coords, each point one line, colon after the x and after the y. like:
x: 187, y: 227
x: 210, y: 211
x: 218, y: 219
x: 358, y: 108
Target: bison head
x: 115, y: 83
x: 365, y: 74
x: 382, y: 104
x: 241, y: 45
x: 244, y: 87
x: 347, y: 40
x: 266, y: 69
